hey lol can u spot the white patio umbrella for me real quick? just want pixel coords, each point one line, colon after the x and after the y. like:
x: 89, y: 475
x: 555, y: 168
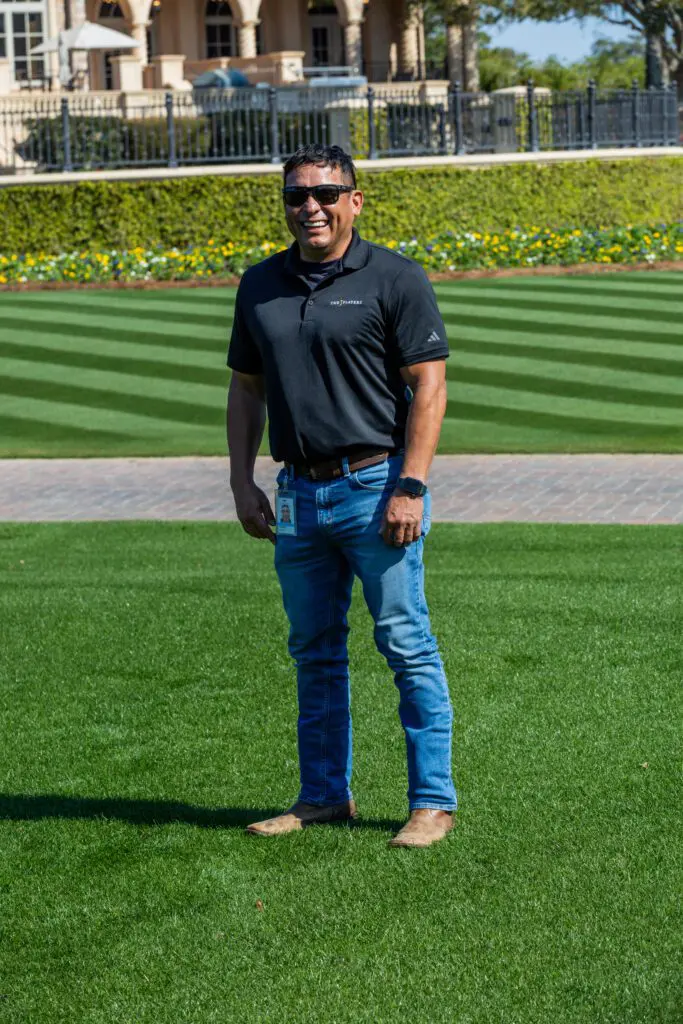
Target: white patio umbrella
x: 87, y: 36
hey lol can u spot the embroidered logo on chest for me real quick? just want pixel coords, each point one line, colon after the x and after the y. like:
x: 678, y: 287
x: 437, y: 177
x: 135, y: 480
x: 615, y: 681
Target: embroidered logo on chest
x: 346, y: 302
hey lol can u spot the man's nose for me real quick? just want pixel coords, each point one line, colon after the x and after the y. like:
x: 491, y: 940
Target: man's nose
x: 311, y: 205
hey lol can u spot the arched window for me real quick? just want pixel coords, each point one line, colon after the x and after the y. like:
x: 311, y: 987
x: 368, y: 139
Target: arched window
x: 220, y: 31
x: 109, y: 9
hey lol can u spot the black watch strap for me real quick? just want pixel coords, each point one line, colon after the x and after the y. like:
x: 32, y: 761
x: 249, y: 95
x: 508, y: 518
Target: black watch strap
x: 415, y: 488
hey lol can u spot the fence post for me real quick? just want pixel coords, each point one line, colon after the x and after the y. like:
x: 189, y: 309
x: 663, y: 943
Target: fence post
x: 459, y: 140
x: 372, y: 134
x: 672, y: 111
x: 635, y: 112
x: 443, y: 147
x: 532, y: 144
x: 67, y: 164
x: 274, y: 126
x: 592, y: 119
x: 170, y: 130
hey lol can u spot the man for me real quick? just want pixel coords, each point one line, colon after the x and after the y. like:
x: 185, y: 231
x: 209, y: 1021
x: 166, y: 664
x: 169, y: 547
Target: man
x: 332, y: 337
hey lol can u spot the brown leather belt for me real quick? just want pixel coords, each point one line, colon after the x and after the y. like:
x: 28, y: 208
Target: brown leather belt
x: 333, y: 468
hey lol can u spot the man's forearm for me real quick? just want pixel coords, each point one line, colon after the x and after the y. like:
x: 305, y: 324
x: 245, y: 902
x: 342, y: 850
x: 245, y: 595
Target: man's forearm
x: 423, y: 427
x: 246, y: 420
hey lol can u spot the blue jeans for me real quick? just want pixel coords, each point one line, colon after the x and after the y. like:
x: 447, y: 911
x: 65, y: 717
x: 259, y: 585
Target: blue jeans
x: 338, y: 537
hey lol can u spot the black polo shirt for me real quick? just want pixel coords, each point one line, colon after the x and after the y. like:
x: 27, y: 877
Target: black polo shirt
x: 331, y: 354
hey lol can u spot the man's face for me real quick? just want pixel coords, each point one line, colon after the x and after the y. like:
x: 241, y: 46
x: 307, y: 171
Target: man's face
x: 323, y: 232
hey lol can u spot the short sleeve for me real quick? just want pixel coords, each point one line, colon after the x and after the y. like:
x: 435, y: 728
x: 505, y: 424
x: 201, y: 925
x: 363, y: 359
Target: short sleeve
x: 415, y: 323
x: 243, y: 352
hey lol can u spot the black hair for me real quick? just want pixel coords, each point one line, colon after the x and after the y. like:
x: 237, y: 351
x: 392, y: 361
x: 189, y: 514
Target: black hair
x: 322, y: 156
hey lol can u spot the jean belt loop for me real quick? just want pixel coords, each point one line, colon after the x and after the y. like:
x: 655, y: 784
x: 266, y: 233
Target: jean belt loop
x: 345, y: 465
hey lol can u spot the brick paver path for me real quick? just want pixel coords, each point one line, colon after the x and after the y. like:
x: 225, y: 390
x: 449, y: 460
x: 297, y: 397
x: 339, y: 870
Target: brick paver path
x: 465, y: 488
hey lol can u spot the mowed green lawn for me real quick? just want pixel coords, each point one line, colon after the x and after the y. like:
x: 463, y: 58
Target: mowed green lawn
x: 590, y: 363
x: 148, y: 713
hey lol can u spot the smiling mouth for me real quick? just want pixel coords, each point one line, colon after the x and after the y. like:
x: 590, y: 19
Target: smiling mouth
x: 311, y: 225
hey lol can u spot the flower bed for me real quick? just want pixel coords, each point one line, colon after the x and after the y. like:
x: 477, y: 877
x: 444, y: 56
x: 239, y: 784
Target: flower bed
x: 450, y: 251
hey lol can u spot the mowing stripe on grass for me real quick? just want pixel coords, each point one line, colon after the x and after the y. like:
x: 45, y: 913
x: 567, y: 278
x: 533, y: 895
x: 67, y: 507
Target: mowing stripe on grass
x: 30, y: 427
x: 649, y: 282
x: 519, y: 416
x: 584, y: 348
x: 179, y: 363
x: 559, y: 324
x: 126, y: 328
x: 532, y: 313
x: 150, y: 389
x: 78, y: 415
x: 587, y: 381
x: 114, y: 401
x: 556, y: 298
x: 559, y: 403
x: 158, y: 369
x: 540, y: 364
x: 180, y: 338
x: 127, y: 310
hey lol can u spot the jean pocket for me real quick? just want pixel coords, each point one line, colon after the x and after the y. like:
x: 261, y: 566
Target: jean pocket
x: 377, y: 477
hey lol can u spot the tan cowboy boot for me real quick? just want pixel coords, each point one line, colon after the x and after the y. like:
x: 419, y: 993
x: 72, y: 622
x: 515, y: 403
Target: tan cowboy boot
x: 424, y: 827
x: 303, y: 814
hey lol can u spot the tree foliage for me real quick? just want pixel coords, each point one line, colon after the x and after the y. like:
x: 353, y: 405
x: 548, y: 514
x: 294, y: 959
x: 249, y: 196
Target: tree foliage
x: 659, y: 21
x: 612, y: 65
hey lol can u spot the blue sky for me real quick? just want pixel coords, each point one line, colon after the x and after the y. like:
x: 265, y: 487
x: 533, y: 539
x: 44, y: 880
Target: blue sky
x: 568, y: 40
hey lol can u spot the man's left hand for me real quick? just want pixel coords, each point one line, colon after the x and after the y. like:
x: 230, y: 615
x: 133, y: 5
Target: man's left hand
x: 402, y: 522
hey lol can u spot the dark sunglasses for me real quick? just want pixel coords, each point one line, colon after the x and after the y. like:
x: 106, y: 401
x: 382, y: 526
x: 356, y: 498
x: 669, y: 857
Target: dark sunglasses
x: 324, y: 195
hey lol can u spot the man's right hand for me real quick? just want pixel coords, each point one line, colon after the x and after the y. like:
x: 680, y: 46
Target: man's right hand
x: 254, y: 511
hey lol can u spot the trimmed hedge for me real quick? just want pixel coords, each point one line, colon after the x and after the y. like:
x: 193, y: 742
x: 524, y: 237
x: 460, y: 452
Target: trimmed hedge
x: 399, y: 204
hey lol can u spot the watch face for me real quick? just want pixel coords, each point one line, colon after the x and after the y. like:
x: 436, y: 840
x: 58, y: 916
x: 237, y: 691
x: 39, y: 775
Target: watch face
x: 412, y: 486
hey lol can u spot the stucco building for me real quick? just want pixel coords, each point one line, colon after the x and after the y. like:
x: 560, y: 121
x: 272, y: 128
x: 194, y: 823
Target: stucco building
x: 271, y: 40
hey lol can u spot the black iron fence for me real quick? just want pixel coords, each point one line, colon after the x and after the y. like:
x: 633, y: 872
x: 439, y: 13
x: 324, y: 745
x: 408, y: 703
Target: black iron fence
x: 81, y: 131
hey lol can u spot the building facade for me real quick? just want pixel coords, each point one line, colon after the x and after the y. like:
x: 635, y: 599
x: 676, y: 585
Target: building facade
x: 270, y: 40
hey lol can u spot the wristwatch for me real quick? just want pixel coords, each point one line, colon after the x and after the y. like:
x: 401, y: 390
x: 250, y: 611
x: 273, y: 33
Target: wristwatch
x: 415, y: 488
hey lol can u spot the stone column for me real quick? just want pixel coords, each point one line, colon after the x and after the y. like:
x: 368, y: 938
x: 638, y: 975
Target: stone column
x: 471, y: 58
x: 454, y: 40
x: 139, y: 33
x: 353, y: 44
x: 247, y: 39
x: 408, y: 52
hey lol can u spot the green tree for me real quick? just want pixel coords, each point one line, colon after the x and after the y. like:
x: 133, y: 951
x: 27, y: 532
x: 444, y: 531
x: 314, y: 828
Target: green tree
x: 659, y: 22
x: 460, y: 19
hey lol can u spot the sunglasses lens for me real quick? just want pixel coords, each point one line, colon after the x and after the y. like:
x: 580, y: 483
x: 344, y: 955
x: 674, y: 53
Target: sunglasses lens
x: 295, y: 196
x: 326, y: 195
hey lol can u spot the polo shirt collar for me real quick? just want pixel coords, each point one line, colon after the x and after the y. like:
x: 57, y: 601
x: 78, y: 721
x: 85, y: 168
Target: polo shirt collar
x: 355, y: 257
